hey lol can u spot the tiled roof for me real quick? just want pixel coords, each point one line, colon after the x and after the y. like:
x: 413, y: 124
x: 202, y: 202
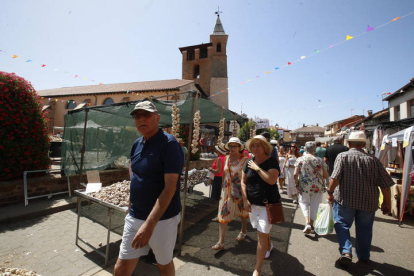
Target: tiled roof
x: 309, y: 129
x: 144, y: 86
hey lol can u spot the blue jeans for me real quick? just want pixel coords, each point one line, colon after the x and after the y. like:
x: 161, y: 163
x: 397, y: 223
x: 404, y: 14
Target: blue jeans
x: 364, y: 221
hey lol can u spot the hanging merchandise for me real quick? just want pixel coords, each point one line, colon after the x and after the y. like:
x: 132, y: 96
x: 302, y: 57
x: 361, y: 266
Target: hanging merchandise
x: 196, y: 132
x: 175, y: 120
x: 235, y: 126
x: 221, y: 133
x: 253, y: 131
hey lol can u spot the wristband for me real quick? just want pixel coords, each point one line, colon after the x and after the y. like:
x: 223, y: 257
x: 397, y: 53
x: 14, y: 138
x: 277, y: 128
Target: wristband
x: 330, y: 192
x: 258, y: 170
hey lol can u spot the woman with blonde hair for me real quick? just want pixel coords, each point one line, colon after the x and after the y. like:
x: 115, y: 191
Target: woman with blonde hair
x: 289, y: 165
x: 259, y: 186
x: 231, y: 201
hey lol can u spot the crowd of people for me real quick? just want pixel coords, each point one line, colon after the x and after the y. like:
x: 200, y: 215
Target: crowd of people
x: 245, y: 180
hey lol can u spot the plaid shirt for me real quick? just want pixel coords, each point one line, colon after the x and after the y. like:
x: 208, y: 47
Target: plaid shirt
x: 359, y: 176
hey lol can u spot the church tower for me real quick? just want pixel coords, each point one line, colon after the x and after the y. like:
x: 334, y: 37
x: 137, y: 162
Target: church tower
x: 206, y: 64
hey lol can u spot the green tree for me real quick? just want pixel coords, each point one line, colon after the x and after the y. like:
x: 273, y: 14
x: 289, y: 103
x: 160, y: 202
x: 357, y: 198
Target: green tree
x: 274, y: 134
x: 24, y: 143
x: 244, y: 133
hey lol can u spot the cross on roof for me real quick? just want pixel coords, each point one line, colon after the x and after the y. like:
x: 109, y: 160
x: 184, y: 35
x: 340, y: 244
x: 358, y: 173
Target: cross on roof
x: 218, y: 12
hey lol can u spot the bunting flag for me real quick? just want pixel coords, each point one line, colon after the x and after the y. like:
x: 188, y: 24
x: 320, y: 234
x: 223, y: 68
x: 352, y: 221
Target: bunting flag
x: 348, y: 37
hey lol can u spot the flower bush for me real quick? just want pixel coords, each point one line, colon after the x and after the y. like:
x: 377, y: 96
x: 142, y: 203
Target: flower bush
x: 24, y: 143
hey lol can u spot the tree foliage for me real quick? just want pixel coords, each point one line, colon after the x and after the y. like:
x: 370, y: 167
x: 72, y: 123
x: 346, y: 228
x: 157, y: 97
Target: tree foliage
x: 274, y: 134
x: 24, y: 143
x: 244, y: 133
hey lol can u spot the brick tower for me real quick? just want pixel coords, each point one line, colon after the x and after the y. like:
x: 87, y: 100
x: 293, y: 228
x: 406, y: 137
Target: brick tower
x: 206, y: 64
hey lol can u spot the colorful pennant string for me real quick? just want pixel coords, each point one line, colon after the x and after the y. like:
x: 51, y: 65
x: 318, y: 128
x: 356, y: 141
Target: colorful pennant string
x: 348, y: 37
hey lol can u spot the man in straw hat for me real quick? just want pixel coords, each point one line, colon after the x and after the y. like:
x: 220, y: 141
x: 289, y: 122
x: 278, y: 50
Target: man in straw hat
x: 353, y: 190
x: 154, y: 213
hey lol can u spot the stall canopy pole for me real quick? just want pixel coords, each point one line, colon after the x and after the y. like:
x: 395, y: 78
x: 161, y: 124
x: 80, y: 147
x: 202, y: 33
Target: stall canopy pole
x: 190, y: 133
x: 407, y: 179
x: 83, y: 145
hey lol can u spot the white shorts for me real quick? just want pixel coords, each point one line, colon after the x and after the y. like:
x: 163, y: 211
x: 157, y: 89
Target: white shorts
x: 162, y: 241
x: 259, y: 219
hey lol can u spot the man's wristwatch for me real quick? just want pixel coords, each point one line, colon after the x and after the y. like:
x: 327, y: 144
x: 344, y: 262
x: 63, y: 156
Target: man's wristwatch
x: 330, y: 192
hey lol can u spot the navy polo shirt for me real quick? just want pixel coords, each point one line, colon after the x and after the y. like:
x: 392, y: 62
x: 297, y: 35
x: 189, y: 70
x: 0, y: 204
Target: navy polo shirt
x: 150, y: 160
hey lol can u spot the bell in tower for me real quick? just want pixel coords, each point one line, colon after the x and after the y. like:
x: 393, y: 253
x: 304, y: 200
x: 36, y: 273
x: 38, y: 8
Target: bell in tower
x: 206, y: 64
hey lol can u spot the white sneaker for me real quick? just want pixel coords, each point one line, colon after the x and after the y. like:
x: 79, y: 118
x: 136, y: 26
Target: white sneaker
x: 307, y: 229
x: 268, y: 252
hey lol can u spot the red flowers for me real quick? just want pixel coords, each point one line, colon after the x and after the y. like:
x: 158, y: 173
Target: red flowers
x: 23, y: 132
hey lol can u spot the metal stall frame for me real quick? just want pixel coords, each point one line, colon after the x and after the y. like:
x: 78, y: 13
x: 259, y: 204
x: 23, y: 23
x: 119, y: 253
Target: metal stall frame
x: 26, y: 197
x: 81, y: 195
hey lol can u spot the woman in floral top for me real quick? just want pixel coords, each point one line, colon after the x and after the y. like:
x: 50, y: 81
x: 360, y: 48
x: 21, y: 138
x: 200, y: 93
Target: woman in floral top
x: 310, y: 174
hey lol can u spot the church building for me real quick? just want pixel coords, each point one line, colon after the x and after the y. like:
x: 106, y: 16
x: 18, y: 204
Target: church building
x: 204, y: 69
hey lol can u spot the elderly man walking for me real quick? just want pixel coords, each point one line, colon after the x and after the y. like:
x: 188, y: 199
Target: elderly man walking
x: 154, y: 213
x: 354, y: 192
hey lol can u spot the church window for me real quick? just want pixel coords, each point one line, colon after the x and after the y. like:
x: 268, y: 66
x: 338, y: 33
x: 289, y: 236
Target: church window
x: 203, y: 52
x: 71, y: 104
x: 218, y: 47
x: 196, y: 72
x: 108, y: 101
x: 190, y: 55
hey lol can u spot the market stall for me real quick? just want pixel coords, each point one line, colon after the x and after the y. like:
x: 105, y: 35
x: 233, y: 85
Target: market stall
x: 402, y: 173
x: 87, y: 149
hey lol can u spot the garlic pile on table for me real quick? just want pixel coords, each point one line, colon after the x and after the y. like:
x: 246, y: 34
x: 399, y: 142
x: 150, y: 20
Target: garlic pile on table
x: 175, y: 120
x: 194, y: 177
x: 196, y: 132
x: 235, y: 126
x: 17, y: 271
x: 116, y: 194
x: 221, y: 133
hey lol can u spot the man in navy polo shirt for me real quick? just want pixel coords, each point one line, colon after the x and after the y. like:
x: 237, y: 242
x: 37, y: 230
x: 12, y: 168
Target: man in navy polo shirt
x: 154, y: 213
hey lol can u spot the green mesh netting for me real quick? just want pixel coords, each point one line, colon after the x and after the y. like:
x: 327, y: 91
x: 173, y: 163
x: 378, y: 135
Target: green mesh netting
x: 110, y: 131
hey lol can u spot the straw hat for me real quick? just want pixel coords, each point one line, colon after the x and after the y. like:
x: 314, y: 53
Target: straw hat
x: 223, y: 151
x: 357, y: 136
x: 261, y: 139
x: 234, y: 140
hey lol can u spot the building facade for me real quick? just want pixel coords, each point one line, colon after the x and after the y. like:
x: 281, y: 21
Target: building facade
x: 206, y: 64
x: 401, y: 102
x: 307, y: 133
x: 204, y: 69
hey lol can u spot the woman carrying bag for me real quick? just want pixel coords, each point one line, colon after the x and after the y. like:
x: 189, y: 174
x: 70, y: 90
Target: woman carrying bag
x: 259, y: 179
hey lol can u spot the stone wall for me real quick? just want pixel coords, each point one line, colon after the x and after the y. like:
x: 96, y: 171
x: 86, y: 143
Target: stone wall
x: 12, y: 192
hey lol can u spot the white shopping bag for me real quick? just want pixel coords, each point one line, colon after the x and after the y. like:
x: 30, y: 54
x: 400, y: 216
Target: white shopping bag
x: 324, y: 223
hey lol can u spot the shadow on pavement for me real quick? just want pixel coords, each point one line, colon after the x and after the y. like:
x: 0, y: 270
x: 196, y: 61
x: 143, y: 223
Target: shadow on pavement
x: 239, y: 257
x: 373, y: 268
x: 334, y: 238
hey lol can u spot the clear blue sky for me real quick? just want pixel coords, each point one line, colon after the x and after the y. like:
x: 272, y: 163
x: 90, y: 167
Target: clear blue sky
x: 129, y: 41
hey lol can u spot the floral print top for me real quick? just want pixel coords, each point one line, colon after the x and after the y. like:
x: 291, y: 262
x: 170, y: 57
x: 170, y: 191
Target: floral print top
x: 311, y: 174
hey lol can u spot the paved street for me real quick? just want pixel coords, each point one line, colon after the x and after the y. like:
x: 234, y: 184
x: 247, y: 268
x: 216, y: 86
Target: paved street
x: 47, y: 245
